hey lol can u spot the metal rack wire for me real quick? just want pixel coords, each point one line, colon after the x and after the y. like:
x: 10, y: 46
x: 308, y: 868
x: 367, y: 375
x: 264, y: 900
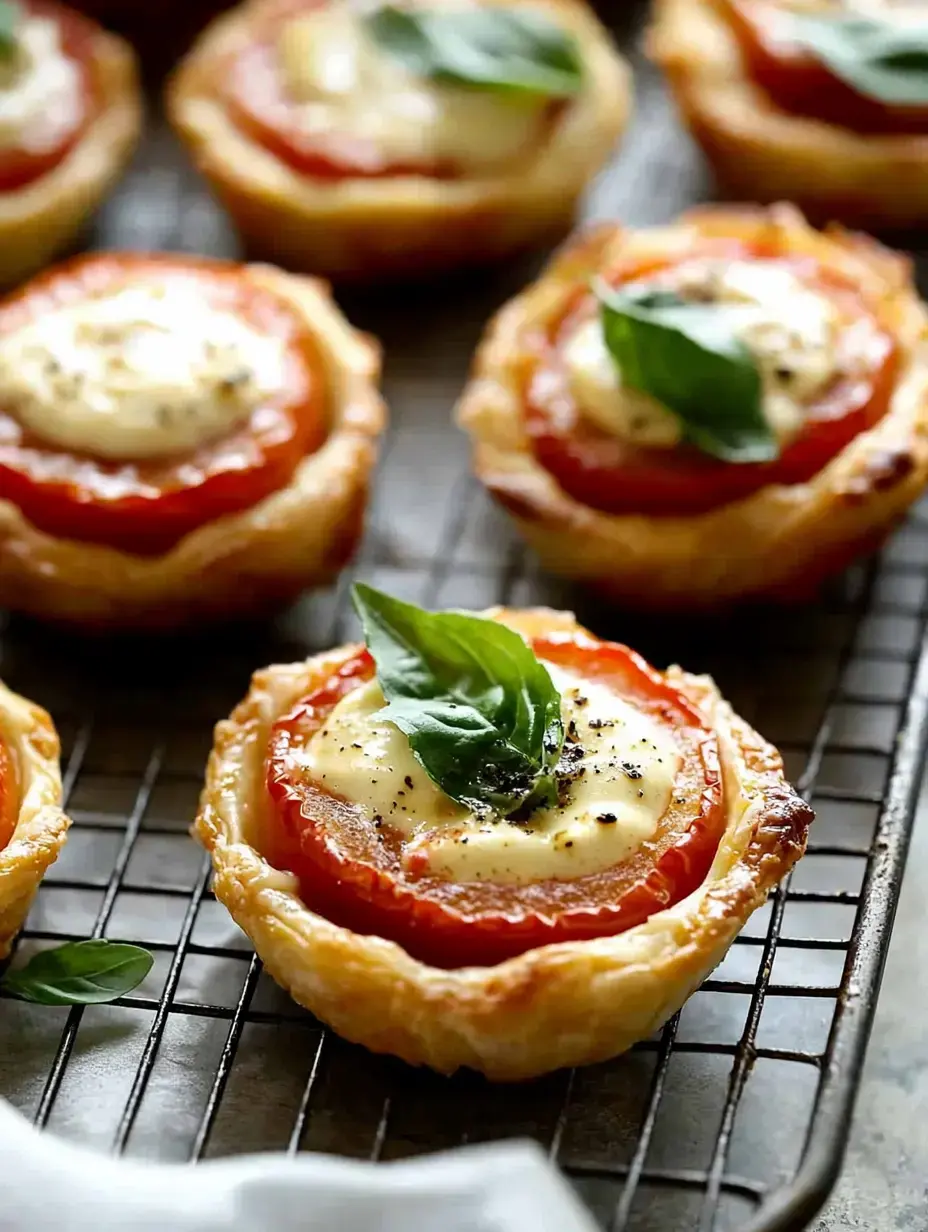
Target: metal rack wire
x: 735, y: 1115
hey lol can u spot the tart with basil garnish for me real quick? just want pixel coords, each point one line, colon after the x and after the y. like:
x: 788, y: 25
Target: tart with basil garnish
x: 70, y: 114
x: 179, y: 438
x: 731, y: 406
x: 363, y: 140
x: 823, y: 102
x: 491, y: 841
x: 32, y: 825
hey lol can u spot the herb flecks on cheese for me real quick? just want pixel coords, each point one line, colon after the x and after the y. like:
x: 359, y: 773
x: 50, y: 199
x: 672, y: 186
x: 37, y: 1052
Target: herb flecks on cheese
x: 791, y: 331
x: 141, y: 372
x: 615, y: 775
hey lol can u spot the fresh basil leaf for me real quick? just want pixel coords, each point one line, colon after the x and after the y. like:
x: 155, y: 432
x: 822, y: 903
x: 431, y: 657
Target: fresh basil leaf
x: 9, y: 21
x: 480, y: 711
x: 489, y: 48
x: 879, y: 59
x: 687, y: 356
x: 80, y: 973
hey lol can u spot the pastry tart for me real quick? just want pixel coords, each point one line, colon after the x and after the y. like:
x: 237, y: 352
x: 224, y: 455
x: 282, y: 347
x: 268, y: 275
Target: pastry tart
x: 361, y: 141
x: 529, y: 860
x: 32, y: 825
x: 731, y: 406
x: 822, y: 102
x: 179, y: 438
x: 70, y: 114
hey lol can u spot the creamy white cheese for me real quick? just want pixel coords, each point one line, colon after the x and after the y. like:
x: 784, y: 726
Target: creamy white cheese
x: 346, y: 87
x: 40, y: 88
x: 630, y: 763
x: 144, y: 371
x: 792, y: 331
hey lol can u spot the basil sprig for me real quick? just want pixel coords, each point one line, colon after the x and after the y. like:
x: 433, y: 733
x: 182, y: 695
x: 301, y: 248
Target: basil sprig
x: 687, y: 356
x: 879, y: 59
x: 489, y: 48
x: 9, y: 21
x: 79, y: 973
x: 480, y: 711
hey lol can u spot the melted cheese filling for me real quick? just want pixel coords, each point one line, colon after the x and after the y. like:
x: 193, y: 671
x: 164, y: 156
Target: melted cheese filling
x: 614, y: 806
x: 345, y: 87
x: 40, y: 88
x: 792, y: 332
x: 141, y: 372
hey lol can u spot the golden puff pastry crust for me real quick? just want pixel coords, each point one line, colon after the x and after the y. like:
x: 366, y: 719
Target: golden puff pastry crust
x: 365, y: 228
x: 566, y: 1004
x: 761, y: 153
x: 778, y: 543
x: 40, y: 219
x: 32, y: 742
x: 244, y: 563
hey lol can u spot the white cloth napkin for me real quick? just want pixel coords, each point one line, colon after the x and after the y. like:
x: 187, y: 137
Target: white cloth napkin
x: 48, y: 1184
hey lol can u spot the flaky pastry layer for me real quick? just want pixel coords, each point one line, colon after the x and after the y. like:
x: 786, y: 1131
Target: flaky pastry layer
x: 243, y: 563
x: 40, y: 219
x: 364, y: 228
x: 565, y: 1004
x: 30, y: 737
x: 761, y: 153
x: 779, y: 542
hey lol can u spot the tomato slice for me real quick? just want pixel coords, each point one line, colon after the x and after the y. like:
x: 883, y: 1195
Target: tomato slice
x: 352, y: 871
x: 23, y: 163
x: 256, y: 96
x: 9, y: 795
x: 614, y: 476
x: 146, y: 507
x: 798, y: 82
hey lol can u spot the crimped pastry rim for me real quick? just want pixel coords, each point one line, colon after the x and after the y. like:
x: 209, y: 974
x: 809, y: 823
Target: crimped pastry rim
x: 766, y: 544
x: 875, y: 180
x: 41, y: 829
x: 41, y: 217
x: 564, y: 1004
x: 291, y: 538
x: 256, y: 185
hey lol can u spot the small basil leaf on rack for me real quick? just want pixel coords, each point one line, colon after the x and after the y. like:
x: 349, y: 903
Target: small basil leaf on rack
x: 879, y: 59
x: 490, y: 48
x: 79, y: 973
x: 480, y: 711
x: 9, y: 20
x: 687, y: 356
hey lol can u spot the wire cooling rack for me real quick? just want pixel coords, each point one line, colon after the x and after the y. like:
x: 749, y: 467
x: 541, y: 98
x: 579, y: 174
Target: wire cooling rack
x: 735, y: 1115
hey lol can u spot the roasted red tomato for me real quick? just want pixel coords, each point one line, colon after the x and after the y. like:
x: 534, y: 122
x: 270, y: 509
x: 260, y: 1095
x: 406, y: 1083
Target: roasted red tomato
x: 353, y: 872
x: 9, y: 795
x: 34, y: 155
x: 145, y: 507
x: 606, y: 473
x: 798, y: 82
x: 257, y: 97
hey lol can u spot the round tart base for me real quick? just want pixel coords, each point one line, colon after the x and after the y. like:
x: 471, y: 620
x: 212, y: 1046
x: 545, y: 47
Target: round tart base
x: 567, y: 1004
x: 760, y: 153
x: 40, y: 832
x: 41, y: 219
x: 364, y: 228
x: 779, y: 543
x: 243, y: 564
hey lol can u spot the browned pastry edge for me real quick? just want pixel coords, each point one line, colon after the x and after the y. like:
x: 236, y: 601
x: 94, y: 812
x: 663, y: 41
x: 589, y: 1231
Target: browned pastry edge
x: 241, y: 564
x: 777, y: 543
x: 760, y: 153
x: 411, y: 225
x: 30, y: 736
x: 565, y: 1004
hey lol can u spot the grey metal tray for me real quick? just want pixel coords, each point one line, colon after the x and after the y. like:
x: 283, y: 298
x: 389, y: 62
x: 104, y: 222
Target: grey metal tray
x: 735, y: 1115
